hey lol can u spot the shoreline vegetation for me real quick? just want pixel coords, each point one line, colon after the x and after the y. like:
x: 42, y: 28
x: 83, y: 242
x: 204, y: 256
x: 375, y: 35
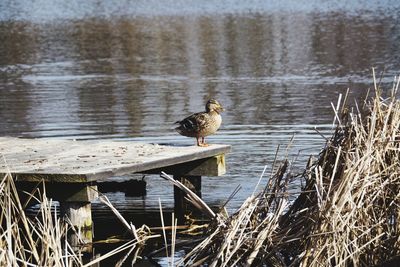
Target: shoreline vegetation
x: 347, y: 213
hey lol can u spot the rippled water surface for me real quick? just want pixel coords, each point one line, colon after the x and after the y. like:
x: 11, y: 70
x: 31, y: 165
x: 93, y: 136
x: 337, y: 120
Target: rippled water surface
x: 129, y: 69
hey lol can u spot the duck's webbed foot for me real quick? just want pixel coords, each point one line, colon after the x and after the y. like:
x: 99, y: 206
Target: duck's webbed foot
x: 204, y: 145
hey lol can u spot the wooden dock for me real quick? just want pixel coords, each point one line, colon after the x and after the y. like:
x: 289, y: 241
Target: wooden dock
x: 71, y: 168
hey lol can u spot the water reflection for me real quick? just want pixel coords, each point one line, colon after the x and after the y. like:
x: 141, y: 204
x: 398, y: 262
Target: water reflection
x: 114, y: 74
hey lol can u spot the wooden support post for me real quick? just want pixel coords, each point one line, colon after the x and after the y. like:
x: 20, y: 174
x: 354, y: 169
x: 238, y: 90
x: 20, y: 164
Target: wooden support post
x: 79, y: 214
x: 76, y: 208
x: 190, y: 174
x: 182, y: 207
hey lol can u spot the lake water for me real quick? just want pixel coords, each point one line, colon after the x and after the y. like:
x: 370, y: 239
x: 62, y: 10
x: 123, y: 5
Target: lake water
x: 127, y: 70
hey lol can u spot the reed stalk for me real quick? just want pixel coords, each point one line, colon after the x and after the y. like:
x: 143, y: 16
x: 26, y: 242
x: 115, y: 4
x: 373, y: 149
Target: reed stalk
x: 41, y: 239
x: 25, y: 241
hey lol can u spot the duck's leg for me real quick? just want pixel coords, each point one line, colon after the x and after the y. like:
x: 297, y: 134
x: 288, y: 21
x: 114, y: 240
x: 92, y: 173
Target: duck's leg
x: 203, y: 142
x: 198, y: 141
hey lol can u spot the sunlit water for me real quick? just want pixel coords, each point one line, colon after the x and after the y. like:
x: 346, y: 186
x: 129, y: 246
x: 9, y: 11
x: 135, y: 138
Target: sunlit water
x: 130, y: 69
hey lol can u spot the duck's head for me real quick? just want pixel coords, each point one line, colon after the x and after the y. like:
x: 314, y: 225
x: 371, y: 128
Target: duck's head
x: 214, y: 105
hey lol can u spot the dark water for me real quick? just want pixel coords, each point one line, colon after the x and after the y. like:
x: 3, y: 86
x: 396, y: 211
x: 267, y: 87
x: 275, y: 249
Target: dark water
x: 129, y: 69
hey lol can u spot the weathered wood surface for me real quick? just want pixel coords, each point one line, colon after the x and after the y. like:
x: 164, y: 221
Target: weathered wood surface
x: 80, y: 217
x: 213, y: 166
x: 55, y: 160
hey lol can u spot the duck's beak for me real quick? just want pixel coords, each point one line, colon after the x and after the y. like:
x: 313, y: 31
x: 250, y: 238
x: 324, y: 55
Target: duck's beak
x: 220, y: 108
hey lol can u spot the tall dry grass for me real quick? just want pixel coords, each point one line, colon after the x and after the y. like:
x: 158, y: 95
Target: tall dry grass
x: 26, y: 241
x: 347, y: 213
x: 41, y: 239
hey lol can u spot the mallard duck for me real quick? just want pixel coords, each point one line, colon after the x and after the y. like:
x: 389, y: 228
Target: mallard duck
x: 202, y: 124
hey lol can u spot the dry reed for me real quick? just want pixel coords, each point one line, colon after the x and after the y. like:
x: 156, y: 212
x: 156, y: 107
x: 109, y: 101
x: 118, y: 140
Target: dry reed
x: 347, y: 213
x: 25, y: 241
x: 41, y: 239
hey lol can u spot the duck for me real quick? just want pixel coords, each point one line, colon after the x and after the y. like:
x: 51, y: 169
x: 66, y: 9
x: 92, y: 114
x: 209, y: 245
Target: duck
x: 202, y: 124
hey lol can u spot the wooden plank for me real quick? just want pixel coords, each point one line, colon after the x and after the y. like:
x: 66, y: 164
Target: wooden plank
x: 51, y: 178
x: 63, y: 192
x: 74, y: 192
x: 213, y: 166
x: 58, y: 160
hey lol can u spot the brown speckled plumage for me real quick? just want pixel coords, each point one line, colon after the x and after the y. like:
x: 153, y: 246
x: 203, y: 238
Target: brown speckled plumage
x: 202, y: 124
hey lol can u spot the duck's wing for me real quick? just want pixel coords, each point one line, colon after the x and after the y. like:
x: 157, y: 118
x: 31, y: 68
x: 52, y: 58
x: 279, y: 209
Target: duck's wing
x: 193, y: 123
